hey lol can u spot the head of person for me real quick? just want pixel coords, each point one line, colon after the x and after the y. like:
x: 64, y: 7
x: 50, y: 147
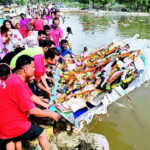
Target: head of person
x: 53, y: 15
x: 25, y: 66
x: 7, y: 25
x: 52, y: 56
x: 57, y: 14
x: 17, y: 26
x: 23, y: 16
x: 56, y: 23
x: 46, y: 44
x: 44, y: 17
x: 9, y: 56
x: 52, y: 44
x: 44, y: 12
x: 47, y: 29
x: 85, y: 49
x: 33, y: 16
x: 37, y: 15
x: 4, y: 71
x: 41, y: 35
x: 52, y: 9
x: 18, y: 50
x: 64, y: 44
x: 69, y: 30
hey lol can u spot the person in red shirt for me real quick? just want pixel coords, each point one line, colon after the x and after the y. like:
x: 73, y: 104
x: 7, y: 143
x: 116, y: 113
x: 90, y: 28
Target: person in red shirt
x: 16, y: 103
x: 4, y: 74
x: 51, y: 57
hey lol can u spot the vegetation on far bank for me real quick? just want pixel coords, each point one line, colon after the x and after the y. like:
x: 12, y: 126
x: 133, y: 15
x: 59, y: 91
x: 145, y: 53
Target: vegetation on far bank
x: 118, y: 5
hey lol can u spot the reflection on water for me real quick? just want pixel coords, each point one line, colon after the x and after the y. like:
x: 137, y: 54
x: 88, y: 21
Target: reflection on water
x: 129, y: 26
x: 91, y: 32
x: 109, y: 130
x: 126, y: 128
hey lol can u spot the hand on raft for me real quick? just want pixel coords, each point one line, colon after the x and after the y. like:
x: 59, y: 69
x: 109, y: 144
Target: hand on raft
x: 48, y: 90
x: 55, y: 116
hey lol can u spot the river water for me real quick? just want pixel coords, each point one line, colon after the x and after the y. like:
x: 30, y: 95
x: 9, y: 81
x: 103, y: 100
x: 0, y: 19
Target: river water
x: 127, y: 126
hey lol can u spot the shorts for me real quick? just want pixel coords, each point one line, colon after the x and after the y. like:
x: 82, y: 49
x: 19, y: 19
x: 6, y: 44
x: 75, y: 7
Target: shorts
x: 31, y: 134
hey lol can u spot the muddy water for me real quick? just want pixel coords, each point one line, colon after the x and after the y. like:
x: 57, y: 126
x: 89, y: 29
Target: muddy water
x: 127, y: 126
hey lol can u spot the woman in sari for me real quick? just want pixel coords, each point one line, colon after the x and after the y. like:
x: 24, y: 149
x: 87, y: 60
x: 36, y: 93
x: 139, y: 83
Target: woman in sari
x: 11, y: 37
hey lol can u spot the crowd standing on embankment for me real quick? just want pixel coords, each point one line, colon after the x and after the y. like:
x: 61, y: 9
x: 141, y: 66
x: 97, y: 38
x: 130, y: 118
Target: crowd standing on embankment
x: 29, y: 48
x: 37, y: 62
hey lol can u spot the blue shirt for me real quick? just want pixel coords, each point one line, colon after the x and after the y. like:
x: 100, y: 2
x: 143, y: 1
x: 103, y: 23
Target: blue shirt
x: 65, y: 52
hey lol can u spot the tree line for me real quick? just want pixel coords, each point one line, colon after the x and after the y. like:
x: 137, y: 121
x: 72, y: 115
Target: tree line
x: 124, y: 5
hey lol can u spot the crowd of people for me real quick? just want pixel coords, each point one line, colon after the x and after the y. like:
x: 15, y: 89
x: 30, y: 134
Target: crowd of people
x: 31, y: 49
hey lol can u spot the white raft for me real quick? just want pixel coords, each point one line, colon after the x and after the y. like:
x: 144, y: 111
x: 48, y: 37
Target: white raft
x: 118, y: 92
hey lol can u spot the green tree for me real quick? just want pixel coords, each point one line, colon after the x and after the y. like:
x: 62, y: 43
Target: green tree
x: 84, y: 2
x: 6, y: 1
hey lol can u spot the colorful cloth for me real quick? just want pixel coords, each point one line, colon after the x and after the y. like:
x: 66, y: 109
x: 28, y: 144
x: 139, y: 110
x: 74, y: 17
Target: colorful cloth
x: 67, y: 115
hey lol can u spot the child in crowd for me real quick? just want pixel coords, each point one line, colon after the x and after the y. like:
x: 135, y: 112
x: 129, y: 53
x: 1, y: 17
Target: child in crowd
x: 45, y: 20
x: 4, y: 73
x: 52, y: 17
x: 69, y: 37
x: 47, y: 30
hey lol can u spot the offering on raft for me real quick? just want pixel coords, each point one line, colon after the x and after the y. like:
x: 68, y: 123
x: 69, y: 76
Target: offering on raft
x: 84, y: 80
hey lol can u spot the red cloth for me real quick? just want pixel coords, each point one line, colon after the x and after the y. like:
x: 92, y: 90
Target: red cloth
x: 39, y: 67
x: 38, y: 25
x: 23, y: 32
x: 5, y: 35
x: 15, y: 101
